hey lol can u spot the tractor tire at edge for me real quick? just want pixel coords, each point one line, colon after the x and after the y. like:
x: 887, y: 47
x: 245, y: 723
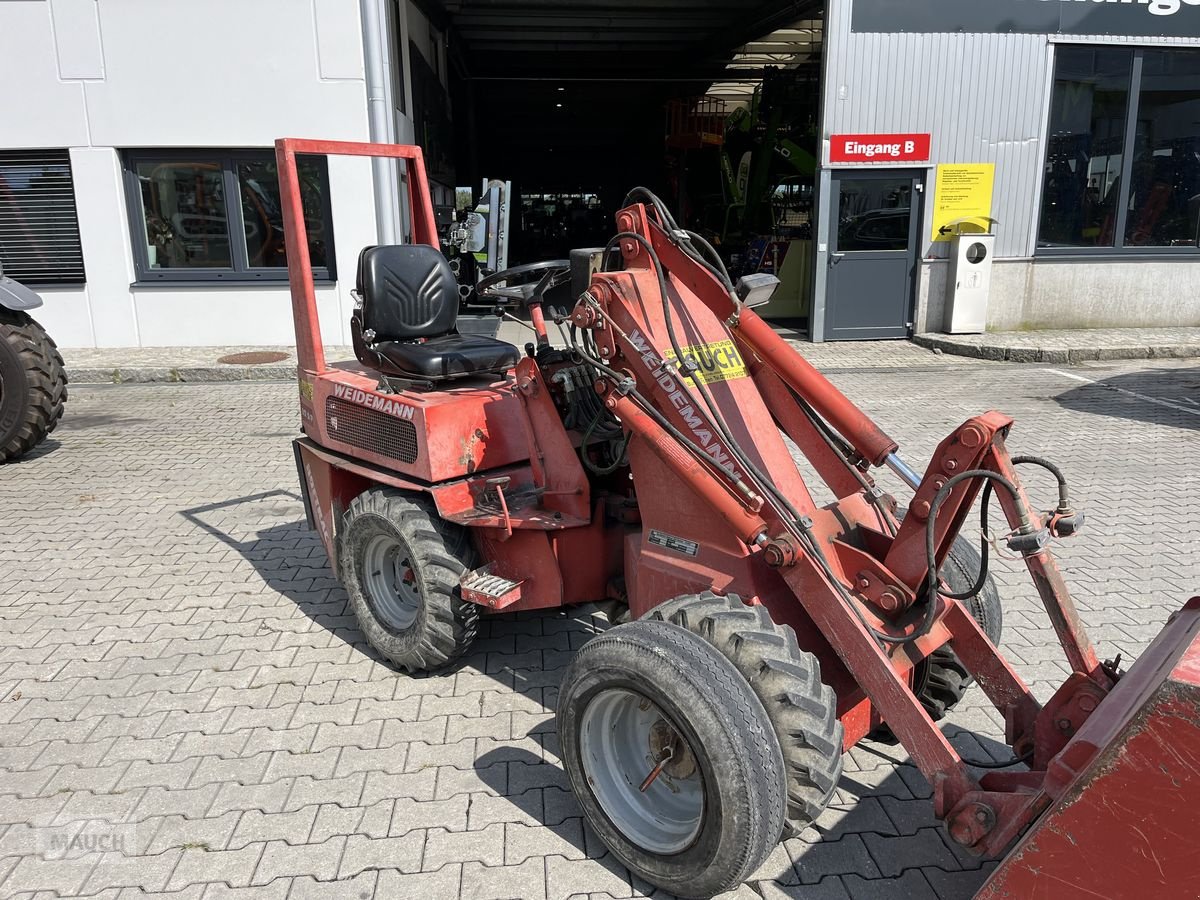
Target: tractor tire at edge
x: 33, y: 384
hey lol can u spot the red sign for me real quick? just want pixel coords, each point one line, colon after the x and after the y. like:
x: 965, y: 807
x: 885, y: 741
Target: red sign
x: 879, y: 148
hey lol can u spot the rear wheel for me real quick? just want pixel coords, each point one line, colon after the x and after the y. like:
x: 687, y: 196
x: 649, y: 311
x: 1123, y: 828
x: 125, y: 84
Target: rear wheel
x: 400, y: 564
x: 787, y: 681
x: 33, y: 384
x: 941, y: 680
x: 672, y: 757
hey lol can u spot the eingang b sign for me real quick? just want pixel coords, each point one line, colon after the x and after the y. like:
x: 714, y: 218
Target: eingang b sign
x: 878, y: 148
x: 1170, y: 18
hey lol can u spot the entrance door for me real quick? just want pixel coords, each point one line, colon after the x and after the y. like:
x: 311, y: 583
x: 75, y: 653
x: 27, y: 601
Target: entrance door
x: 873, y: 248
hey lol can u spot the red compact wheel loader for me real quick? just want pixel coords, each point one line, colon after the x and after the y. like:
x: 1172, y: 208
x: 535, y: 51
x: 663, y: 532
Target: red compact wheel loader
x: 643, y: 462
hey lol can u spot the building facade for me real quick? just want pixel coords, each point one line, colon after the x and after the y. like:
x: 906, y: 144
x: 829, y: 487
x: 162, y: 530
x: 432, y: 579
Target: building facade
x: 137, y: 180
x: 1083, y: 115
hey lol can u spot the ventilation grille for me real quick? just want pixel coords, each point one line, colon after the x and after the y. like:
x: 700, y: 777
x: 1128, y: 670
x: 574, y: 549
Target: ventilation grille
x: 39, y: 232
x: 370, y: 430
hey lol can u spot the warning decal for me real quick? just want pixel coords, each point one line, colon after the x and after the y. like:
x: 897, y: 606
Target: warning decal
x: 718, y: 361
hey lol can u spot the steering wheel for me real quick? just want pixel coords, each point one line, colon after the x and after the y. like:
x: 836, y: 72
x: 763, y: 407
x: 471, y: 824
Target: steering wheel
x: 525, y: 284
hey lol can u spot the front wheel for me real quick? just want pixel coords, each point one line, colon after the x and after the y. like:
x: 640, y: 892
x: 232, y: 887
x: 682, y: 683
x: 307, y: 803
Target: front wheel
x: 672, y: 757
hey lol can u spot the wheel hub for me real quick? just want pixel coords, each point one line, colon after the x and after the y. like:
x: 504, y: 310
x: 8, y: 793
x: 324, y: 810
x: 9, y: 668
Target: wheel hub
x: 642, y: 771
x: 665, y: 743
x: 390, y: 582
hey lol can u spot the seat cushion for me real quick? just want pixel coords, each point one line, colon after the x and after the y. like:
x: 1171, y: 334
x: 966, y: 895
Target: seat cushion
x: 448, y: 356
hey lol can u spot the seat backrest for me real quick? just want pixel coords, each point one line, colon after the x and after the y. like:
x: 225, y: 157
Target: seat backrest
x: 408, y: 291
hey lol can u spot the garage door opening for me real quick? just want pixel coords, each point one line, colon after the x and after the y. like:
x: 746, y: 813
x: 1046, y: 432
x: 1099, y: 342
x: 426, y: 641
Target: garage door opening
x: 712, y: 104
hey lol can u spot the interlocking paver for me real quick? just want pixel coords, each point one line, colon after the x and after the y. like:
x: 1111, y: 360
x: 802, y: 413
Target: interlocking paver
x: 485, y: 846
x: 400, y: 853
x: 281, y: 859
x: 480, y: 882
x: 198, y: 866
x: 205, y: 687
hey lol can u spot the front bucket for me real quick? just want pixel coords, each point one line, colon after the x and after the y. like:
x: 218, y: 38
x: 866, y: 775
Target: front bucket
x: 1126, y: 819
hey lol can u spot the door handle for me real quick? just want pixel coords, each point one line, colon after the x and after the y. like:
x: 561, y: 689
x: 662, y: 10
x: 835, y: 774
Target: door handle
x: 835, y: 258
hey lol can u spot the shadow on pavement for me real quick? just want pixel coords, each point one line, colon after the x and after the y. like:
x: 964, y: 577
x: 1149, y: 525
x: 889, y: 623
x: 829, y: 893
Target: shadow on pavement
x: 1168, y: 397
x: 878, y: 836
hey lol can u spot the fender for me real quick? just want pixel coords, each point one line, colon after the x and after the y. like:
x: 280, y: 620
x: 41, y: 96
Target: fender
x: 14, y: 295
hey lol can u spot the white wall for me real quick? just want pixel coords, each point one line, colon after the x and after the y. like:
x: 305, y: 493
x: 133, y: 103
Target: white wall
x: 98, y: 76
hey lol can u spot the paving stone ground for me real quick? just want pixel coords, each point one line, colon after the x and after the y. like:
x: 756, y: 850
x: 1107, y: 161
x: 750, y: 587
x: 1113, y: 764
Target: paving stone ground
x: 188, y: 710
x: 123, y: 365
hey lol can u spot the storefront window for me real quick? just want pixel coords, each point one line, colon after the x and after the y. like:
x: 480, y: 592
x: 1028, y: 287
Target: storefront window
x: 1164, y: 196
x: 1123, y: 157
x: 1084, y: 156
x: 217, y: 215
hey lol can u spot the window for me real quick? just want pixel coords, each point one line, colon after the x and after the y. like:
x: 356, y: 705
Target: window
x: 39, y: 230
x: 217, y: 216
x: 1122, y: 168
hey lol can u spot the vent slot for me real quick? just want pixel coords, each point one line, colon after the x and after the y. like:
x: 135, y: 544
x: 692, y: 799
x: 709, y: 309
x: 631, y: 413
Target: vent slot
x: 369, y: 429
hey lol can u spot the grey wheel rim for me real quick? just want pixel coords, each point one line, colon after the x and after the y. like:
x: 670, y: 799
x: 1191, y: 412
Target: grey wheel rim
x: 390, y: 582
x: 622, y: 736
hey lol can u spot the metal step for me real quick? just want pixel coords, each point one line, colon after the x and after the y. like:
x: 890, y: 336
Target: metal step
x: 486, y: 589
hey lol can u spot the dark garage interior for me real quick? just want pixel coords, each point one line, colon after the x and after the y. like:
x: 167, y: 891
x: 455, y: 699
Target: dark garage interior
x: 576, y: 103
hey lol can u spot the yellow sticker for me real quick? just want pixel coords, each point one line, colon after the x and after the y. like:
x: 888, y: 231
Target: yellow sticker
x: 306, y: 390
x: 718, y: 361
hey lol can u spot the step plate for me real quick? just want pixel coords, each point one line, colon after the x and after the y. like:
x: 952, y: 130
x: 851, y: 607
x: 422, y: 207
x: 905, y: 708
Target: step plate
x: 492, y: 591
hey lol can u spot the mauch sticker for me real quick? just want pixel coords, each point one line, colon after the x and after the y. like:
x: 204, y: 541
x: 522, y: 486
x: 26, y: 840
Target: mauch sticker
x: 718, y: 361
x: 671, y: 542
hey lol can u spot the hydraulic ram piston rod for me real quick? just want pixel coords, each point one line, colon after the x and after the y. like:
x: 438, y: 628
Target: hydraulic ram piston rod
x: 902, y: 470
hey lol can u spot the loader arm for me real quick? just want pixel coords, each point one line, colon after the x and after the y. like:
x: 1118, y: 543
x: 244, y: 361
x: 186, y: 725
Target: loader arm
x: 657, y: 328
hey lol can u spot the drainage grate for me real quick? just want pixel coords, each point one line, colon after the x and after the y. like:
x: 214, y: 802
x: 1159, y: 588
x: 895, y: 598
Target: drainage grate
x: 253, y: 358
x: 371, y: 430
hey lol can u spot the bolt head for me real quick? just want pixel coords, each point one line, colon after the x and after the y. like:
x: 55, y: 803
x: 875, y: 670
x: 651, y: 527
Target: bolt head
x: 972, y: 437
x: 951, y: 465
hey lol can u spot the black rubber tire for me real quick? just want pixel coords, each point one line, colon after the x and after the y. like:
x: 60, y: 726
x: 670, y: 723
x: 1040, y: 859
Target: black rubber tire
x: 727, y: 729
x: 439, y: 553
x: 33, y: 384
x: 786, y: 680
x: 941, y: 680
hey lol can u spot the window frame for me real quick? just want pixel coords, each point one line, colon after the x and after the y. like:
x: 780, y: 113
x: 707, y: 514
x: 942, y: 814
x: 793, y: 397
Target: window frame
x: 1133, y: 107
x: 241, y: 273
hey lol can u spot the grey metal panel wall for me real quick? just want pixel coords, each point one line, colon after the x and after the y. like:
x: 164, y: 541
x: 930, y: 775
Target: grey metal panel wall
x: 981, y: 96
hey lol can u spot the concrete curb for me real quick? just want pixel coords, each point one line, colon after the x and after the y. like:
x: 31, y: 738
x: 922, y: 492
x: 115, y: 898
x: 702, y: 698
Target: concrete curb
x: 189, y: 374
x: 1031, y: 353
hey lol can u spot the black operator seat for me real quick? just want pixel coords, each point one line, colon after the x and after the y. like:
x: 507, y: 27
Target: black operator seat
x: 406, y: 326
